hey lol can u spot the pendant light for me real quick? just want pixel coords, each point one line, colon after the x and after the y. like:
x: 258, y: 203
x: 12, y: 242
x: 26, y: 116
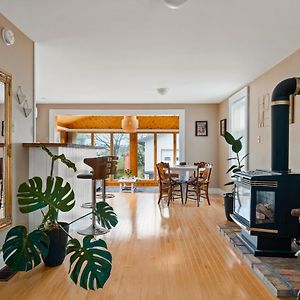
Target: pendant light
x: 130, y: 123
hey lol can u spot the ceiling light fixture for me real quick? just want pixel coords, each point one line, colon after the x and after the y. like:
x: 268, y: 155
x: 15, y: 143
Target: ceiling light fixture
x: 162, y: 91
x: 174, y: 4
x: 130, y: 123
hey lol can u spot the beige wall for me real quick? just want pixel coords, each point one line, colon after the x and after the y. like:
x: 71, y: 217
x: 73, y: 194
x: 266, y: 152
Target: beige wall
x: 259, y: 153
x: 18, y: 61
x: 223, y: 149
x: 197, y: 148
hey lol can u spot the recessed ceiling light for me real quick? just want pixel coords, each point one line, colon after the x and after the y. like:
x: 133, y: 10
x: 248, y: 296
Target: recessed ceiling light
x: 162, y: 91
x: 174, y: 4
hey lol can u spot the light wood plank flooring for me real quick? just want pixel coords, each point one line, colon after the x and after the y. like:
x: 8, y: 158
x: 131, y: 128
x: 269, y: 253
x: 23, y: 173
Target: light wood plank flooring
x: 158, y: 253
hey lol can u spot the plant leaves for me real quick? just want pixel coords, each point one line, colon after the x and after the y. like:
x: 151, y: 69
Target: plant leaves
x: 47, y: 151
x: 232, y: 158
x: 229, y: 138
x: 105, y: 215
x: 237, y: 146
x: 65, y: 161
x: 90, y: 264
x: 231, y: 168
x: 56, y: 195
x: 229, y: 183
x: 22, y: 252
x: 244, y: 157
x: 60, y: 157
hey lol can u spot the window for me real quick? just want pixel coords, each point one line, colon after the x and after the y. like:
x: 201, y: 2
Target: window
x: 238, y: 119
x: 151, y: 148
x: 102, y: 140
x: 121, y: 149
x: 165, y: 145
x: 145, y: 160
x: 84, y: 138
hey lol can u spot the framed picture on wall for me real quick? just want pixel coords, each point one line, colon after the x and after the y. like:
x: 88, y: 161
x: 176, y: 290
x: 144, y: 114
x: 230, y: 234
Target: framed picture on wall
x: 222, y: 127
x: 201, y: 128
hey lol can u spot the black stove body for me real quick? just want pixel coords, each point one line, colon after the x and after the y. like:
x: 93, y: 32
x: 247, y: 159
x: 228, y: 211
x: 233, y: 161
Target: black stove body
x: 263, y: 202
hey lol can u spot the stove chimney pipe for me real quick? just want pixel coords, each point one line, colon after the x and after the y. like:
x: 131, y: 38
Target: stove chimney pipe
x: 280, y: 122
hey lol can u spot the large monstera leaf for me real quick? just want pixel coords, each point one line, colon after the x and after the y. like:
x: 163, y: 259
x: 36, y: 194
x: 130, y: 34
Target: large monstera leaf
x: 21, y: 251
x: 31, y: 196
x: 90, y: 264
x: 105, y: 215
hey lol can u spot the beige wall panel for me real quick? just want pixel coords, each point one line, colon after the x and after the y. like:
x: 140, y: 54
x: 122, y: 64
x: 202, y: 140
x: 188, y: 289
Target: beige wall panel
x: 223, y: 149
x: 18, y: 61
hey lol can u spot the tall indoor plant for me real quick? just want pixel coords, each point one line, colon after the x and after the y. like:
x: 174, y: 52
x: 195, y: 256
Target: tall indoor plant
x: 236, y: 147
x: 90, y: 262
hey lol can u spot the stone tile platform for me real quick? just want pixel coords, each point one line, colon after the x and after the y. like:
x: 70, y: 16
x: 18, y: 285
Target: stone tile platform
x: 280, y: 275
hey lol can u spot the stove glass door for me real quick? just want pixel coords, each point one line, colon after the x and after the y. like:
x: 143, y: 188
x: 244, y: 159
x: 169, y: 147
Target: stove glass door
x: 242, y: 201
x: 265, y: 207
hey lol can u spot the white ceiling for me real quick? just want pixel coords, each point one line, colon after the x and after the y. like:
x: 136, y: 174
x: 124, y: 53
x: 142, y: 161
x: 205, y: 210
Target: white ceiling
x: 121, y: 51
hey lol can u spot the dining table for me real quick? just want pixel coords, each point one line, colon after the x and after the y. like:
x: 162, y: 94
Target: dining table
x: 184, y: 171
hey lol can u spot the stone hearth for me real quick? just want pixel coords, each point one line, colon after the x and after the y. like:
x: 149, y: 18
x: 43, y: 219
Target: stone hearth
x: 280, y: 275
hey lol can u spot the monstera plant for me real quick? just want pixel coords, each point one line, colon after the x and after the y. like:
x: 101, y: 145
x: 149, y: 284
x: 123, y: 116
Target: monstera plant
x: 237, y: 165
x: 90, y: 261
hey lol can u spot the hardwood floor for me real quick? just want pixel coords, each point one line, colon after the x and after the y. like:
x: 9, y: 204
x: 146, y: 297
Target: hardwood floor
x: 158, y: 253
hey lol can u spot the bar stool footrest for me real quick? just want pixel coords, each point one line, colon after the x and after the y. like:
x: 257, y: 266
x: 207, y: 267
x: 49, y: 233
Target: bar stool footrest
x: 107, y: 196
x: 93, y: 230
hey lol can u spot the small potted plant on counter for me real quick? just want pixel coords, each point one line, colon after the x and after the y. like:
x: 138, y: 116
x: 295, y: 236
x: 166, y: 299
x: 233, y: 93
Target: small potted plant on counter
x: 237, y: 165
x: 90, y: 262
x: 128, y: 173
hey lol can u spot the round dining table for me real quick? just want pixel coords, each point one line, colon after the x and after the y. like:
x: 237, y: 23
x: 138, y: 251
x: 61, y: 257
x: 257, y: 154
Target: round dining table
x: 184, y: 170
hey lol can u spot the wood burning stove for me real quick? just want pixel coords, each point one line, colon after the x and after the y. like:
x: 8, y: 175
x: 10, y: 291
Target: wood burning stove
x: 263, y: 200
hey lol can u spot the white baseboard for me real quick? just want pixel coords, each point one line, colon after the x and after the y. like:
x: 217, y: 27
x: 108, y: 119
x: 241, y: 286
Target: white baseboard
x: 216, y: 191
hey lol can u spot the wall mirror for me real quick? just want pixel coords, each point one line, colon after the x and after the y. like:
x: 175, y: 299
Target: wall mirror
x: 5, y: 150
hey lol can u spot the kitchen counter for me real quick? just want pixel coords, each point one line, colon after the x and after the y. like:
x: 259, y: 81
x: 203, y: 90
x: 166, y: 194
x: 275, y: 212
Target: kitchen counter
x: 40, y: 165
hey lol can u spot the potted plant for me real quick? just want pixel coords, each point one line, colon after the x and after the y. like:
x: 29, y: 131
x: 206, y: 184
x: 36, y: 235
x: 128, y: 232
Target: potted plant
x: 128, y: 173
x: 90, y: 262
x: 236, y: 146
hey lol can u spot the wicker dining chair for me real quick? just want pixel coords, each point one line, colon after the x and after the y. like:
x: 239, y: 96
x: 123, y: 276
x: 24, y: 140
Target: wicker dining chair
x: 197, y: 186
x: 170, y: 187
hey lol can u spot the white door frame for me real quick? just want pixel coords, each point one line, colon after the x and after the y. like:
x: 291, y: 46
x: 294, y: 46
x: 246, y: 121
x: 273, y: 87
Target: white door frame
x: 126, y: 112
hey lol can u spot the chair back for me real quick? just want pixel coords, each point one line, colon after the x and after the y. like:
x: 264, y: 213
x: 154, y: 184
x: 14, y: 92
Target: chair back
x: 206, y: 173
x: 198, y: 174
x: 102, y: 166
x: 163, y: 170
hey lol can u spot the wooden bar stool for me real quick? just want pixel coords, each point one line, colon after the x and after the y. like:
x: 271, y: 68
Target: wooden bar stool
x: 102, y: 167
